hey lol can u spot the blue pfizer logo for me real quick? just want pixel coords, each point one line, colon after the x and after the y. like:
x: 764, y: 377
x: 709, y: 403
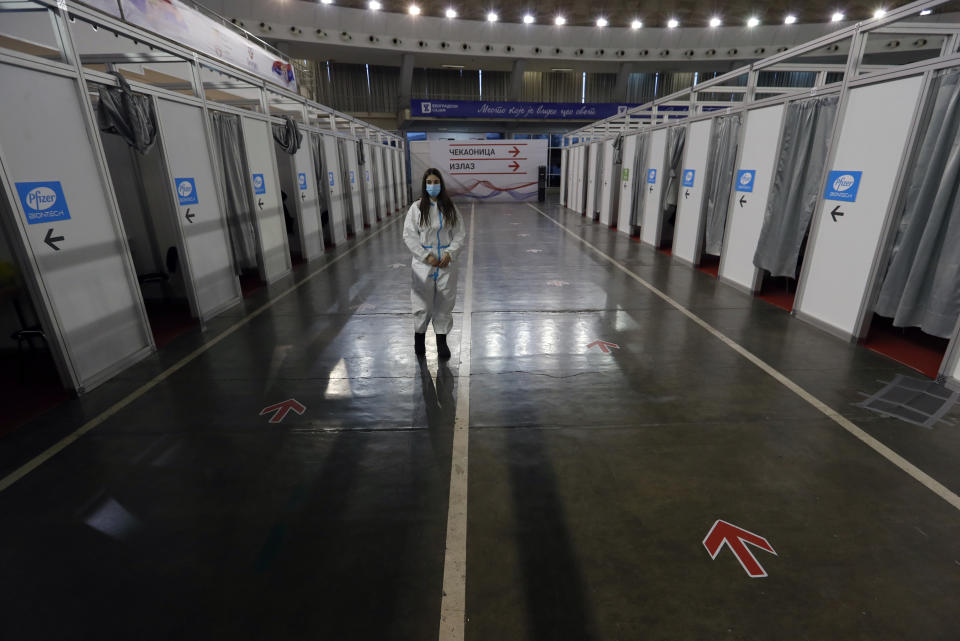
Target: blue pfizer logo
x: 688, y: 177
x: 259, y: 185
x: 43, y: 202
x: 302, y: 179
x: 186, y: 191
x: 843, y: 185
x: 330, y: 173
x: 652, y: 176
x: 745, y: 179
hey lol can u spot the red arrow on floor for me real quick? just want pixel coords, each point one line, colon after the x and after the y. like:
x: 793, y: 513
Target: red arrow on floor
x: 736, y: 539
x: 515, y: 165
x: 282, y: 409
x: 604, y: 346
x: 515, y: 151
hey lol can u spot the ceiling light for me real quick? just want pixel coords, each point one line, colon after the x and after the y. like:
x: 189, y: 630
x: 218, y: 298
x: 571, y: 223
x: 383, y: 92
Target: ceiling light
x: 528, y: 19
x: 327, y: 1
x: 562, y: 69
x: 753, y: 21
x: 602, y: 22
x: 790, y: 19
x: 926, y: 12
x: 636, y: 24
x: 559, y: 21
x: 837, y: 17
x: 879, y: 13
x: 715, y: 22
x: 373, y: 5
x: 414, y: 10
x: 451, y: 13
x: 492, y: 17
x: 672, y: 23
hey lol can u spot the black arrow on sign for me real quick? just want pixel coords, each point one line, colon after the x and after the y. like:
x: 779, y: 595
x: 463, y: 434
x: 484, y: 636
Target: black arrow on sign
x: 50, y: 239
x: 189, y: 216
x: 303, y: 195
x: 743, y: 201
x: 651, y: 187
x: 687, y: 195
x: 836, y: 213
x: 260, y: 202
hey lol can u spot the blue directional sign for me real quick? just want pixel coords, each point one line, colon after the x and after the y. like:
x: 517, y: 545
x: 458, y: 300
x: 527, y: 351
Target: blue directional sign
x: 186, y: 191
x: 688, y: 177
x: 43, y: 202
x: 843, y: 185
x: 331, y: 178
x: 745, y: 178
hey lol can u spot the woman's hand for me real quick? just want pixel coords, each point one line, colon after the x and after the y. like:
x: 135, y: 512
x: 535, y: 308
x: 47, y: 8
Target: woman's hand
x: 432, y: 260
x: 445, y: 261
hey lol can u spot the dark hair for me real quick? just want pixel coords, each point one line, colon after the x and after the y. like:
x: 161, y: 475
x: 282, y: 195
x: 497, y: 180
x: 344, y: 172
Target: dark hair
x: 447, y: 208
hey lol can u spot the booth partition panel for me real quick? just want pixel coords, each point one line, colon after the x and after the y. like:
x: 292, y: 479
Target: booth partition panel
x: 628, y: 174
x: 367, y: 188
x: 751, y: 188
x: 564, y: 168
x: 593, y: 162
x: 265, y: 192
x: 353, y: 184
x: 200, y: 214
x: 388, y: 179
x: 690, y: 198
x: 380, y: 181
x: 869, y: 151
x: 608, y: 183
x: 335, y: 191
x: 307, y: 201
x: 398, y: 178
x: 655, y: 176
x: 69, y: 228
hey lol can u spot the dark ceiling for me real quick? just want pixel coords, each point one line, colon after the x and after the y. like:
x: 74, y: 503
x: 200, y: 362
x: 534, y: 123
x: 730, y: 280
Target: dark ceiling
x: 653, y: 13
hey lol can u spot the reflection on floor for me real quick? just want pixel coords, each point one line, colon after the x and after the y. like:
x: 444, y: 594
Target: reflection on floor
x: 907, y: 345
x: 28, y: 387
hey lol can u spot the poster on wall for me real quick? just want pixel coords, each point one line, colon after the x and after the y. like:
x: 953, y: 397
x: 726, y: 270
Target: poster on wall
x: 179, y: 22
x: 482, y: 170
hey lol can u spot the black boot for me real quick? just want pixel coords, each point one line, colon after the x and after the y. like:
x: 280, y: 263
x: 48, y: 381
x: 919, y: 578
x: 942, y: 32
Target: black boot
x: 442, y: 350
x: 419, y: 348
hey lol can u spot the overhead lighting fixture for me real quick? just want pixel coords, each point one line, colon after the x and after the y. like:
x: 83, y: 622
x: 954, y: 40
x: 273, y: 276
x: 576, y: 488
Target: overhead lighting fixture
x: 373, y: 5
x: 636, y: 24
x: 528, y: 19
x: 790, y: 19
x: 492, y: 16
x: 451, y: 13
x: 452, y: 66
x: 559, y: 21
x: 837, y: 17
x: 715, y: 22
x: 753, y: 21
x: 327, y: 1
x: 414, y: 10
x: 673, y: 23
x: 602, y: 22
x: 926, y: 12
x: 562, y: 69
x: 879, y: 13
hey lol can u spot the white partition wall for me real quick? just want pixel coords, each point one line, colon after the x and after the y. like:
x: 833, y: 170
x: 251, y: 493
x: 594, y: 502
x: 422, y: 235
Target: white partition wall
x: 749, y: 200
x: 866, y: 159
x: 398, y: 178
x: 335, y: 189
x: 353, y: 184
x: 593, y: 159
x: 687, y: 236
x: 564, y: 167
x: 265, y: 194
x: 625, y: 206
x: 368, y: 191
x: 76, y: 260
x: 654, y: 181
x: 609, y: 182
x: 206, y: 258
x: 376, y: 154
x: 388, y: 180
x: 576, y: 180
x: 307, y: 202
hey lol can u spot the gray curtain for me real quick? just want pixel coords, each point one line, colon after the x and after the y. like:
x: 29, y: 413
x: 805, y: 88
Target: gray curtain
x: 676, y: 138
x: 796, y: 184
x: 922, y: 285
x: 639, y: 170
x: 723, y: 158
x: 288, y: 135
x: 239, y: 211
x: 128, y: 114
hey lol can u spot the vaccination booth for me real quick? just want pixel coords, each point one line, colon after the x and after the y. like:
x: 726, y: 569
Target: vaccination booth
x: 149, y: 183
x: 824, y: 179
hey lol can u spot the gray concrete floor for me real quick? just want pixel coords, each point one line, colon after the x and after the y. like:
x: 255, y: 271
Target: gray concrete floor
x: 593, y: 478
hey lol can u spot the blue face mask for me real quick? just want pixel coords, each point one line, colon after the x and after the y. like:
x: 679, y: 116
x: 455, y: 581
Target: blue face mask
x: 433, y: 190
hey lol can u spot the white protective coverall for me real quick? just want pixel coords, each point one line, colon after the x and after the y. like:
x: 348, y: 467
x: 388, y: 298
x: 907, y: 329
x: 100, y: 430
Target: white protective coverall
x: 434, y: 290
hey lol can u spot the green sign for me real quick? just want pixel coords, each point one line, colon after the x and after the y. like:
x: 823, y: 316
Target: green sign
x: 626, y: 174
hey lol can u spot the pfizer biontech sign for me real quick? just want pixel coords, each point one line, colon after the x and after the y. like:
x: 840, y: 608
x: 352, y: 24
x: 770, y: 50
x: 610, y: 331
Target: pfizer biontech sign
x: 843, y: 185
x: 43, y: 202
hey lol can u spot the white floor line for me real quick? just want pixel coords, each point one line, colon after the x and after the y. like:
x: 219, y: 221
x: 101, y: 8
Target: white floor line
x: 453, y: 605
x: 65, y: 442
x: 928, y: 481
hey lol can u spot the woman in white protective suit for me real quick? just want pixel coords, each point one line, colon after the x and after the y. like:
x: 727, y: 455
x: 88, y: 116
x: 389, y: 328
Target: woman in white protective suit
x: 434, y: 232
